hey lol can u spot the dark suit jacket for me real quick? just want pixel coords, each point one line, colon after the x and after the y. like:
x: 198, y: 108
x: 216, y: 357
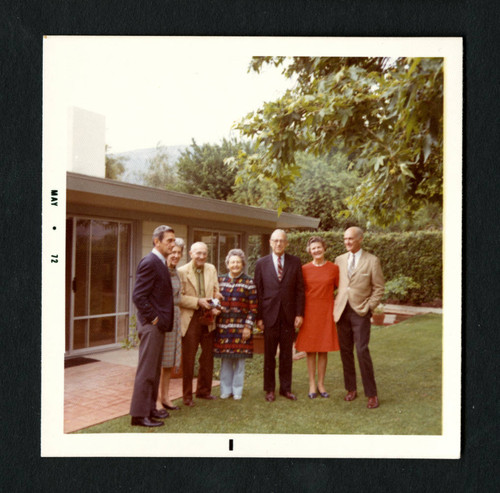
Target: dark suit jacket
x: 271, y: 293
x: 153, y: 293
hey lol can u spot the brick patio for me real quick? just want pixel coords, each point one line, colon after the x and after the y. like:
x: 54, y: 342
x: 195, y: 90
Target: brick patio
x: 100, y: 391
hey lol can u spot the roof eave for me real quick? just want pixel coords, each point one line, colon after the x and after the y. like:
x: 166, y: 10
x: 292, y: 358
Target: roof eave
x: 131, y: 196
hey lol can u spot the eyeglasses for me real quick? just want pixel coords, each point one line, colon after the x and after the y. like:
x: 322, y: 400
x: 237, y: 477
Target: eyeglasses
x: 278, y: 241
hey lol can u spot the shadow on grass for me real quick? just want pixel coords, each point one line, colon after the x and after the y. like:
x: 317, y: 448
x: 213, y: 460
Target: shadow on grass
x: 407, y: 359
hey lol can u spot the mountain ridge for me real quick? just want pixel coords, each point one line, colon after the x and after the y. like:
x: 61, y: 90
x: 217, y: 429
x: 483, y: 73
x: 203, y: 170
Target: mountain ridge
x: 136, y: 161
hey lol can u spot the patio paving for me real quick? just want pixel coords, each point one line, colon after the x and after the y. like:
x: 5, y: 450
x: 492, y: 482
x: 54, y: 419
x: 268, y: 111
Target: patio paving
x: 100, y: 391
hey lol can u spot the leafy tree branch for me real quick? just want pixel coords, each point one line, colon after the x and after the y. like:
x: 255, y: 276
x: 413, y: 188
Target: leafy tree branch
x: 385, y: 114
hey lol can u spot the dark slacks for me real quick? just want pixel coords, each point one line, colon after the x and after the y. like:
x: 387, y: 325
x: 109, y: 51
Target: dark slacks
x: 196, y: 335
x: 283, y: 334
x: 147, y: 376
x: 354, y: 329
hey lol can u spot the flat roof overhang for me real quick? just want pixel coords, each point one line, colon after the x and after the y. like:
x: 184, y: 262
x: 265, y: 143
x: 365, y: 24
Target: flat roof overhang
x: 103, y: 192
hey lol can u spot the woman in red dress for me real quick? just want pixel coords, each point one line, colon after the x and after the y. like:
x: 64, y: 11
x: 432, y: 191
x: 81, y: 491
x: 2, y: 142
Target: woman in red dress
x: 318, y: 333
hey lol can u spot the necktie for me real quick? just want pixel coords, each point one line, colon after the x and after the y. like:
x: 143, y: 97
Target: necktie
x: 201, y: 283
x: 280, y: 269
x: 352, y: 264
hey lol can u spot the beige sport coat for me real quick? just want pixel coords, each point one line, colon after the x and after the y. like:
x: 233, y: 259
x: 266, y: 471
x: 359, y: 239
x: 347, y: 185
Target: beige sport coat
x: 189, y: 285
x: 365, y: 288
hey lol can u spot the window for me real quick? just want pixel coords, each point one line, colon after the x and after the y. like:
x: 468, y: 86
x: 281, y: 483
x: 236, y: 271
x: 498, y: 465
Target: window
x: 219, y: 243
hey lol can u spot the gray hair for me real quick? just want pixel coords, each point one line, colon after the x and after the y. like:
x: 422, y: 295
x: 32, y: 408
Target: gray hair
x: 197, y: 244
x: 279, y: 231
x: 357, y: 230
x: 179, y: 242
x: 236, y: 252
x: 160, y: 231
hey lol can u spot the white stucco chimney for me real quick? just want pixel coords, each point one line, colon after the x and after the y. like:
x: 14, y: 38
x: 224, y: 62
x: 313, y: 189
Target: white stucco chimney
x: 86, y: 142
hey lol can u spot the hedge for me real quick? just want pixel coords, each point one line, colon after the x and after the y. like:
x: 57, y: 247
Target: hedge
x: 415, y: 254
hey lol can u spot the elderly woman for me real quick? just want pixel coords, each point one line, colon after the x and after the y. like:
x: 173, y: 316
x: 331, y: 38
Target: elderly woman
x: 233, y: 337
x: 172, y: 346
x: 318, y: 333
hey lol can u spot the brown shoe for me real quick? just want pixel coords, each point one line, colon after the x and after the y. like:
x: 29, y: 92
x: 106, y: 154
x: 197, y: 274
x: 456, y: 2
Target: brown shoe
x: 289, y: 395
x: 351, y: 395
x: 270, y: 397
x: 189, y: 403
x: 372, y: 402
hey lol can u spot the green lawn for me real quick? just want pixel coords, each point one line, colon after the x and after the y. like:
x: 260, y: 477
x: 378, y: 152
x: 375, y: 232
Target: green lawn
x: 408, y: 369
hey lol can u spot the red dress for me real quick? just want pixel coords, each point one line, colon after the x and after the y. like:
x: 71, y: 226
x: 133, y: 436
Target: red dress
x: 318, y: 333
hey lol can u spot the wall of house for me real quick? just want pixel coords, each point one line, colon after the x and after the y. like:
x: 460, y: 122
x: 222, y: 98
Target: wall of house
x: 181, y: 231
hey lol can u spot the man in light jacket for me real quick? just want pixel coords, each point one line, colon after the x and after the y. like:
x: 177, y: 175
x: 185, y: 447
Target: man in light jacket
x: 199, y: 286
x: 361, y: 286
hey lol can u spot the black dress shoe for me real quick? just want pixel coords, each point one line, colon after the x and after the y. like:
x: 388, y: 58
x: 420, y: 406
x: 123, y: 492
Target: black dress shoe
x: 170, y: 408
x: 159, y: 414
x: 207, y: 397
x: 288, y: 395
x: 137, y: 421
x: 312, y: 395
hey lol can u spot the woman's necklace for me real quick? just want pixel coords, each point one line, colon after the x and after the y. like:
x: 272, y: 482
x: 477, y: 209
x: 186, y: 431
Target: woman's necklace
x: 319, y: 265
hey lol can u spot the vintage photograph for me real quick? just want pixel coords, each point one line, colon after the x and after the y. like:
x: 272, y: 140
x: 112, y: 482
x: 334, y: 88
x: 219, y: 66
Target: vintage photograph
x: 251, y: 247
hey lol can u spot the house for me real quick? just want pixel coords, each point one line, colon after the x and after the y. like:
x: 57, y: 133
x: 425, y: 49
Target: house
x: 109, y: 225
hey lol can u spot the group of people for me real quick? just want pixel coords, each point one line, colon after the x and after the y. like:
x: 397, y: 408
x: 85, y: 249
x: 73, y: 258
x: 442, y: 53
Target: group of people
x: 180, y: 310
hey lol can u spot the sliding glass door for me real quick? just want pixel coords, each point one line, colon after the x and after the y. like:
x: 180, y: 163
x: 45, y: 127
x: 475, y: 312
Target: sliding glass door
x: 99, y: 291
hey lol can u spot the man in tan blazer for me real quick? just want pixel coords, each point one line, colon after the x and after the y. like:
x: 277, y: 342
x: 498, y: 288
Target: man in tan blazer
x: 199, y: 286
x: 361, y: 286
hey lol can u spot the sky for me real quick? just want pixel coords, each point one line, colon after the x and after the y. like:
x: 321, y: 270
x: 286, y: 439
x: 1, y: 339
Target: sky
x: 170, y: 90
x: 152, y: 90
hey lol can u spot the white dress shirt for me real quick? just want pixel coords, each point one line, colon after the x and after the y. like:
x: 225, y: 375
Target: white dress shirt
x: 357, y: 258
x: 159, y: 255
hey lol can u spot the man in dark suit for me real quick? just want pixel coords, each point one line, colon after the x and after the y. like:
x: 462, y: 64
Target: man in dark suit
x: 155, y: 312
x: 280, y: 293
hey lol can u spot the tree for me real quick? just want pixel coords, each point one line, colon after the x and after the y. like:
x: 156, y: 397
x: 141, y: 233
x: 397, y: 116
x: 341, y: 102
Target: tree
x: 428, y: 217
x: 160, y: 174
x: 322, y: 189
x: 250, y: 190
x: 115, y: 165
x: 202, y: 169
x: 385, y: 114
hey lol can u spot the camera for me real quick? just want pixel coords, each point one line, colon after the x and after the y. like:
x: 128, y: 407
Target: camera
x: 215, y: 303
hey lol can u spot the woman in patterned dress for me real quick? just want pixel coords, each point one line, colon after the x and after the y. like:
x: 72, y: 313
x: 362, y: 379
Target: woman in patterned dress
x: 172, y: 346
x: 233, y: 337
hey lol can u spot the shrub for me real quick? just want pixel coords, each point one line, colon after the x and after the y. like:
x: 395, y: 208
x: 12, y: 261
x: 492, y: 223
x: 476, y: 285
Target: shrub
x: 132, y: 339
x: 416, y: 254
x: 253, y: 253
x: 399, y: 288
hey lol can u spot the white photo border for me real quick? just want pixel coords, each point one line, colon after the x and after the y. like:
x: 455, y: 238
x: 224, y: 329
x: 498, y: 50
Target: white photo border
x: 55, y: 443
